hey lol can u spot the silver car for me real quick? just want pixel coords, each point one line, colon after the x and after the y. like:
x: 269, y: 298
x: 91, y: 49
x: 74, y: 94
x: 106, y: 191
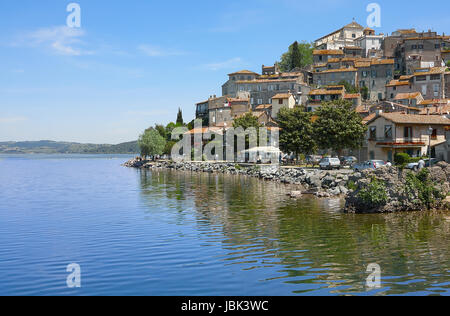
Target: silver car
x: 330, y: 164
x: 371, y: 164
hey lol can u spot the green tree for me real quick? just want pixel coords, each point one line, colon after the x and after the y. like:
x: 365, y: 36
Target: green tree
x: 297, y: 134
x: 180, y: 117
x: 338, y: 127
x: 296, y: 56
x: 349, y: 88
x: 291, y: 59
x: 246, y: 121
x: 161, y: 130
x: 151, y: 143
x: 364, y: 92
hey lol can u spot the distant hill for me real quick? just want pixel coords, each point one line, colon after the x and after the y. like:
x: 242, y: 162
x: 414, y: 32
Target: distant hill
x: 51, y: 147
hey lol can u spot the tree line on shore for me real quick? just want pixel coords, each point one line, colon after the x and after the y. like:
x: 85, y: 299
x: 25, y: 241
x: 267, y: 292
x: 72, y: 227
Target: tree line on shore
x: 334, y: 126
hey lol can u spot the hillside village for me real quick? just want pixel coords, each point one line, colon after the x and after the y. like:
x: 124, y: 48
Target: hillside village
x: 400, y: 88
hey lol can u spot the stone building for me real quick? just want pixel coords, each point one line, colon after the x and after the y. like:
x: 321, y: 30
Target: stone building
x: 370, y: 43
x: 391, y: 133
x: 230, y: 87
x: 331, y: 93
x: 413, y: 50
x: 375, y: 74
x: 282, y: 100
x: 262, y: 88
x: 345, y: 36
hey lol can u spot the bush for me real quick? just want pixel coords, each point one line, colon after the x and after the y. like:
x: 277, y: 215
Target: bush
x: 374, y: 194
x: 351, y: 185
x: 402, y: 159
x: 423, y: 185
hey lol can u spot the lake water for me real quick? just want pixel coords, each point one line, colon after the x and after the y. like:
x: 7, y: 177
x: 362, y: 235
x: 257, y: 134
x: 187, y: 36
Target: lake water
x: 171, y: 233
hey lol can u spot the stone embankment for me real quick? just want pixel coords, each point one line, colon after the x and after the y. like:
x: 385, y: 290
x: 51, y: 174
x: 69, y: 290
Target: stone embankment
x: 385, y: 190
x: 319, y: 183
x: 388, y: 190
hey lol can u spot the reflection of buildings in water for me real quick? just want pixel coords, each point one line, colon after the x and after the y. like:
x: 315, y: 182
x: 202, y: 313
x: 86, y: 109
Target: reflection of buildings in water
x: 256, y: 222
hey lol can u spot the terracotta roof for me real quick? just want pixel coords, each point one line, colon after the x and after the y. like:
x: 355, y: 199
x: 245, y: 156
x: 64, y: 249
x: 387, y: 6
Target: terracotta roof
x: 436, y: 110
x: 430, y: 71
x: 395, y: 83
x: 328, y: 52
x: 326, y: 92
x: 383, y: 62
x: 400, y: 118
x: 361, y: 109
x: 204, y: 130
x: 353, y: 47
x: 369, y: 118
x: 263, y: 107
x: 266, y: 80
x: 406, y: 77
x: 435, y: 101
x: 282, y: 96
x: 404, y: 96
x: 407, y: 31
x: 350, y: 69
x: 352, y: 96
x: 244, y: 72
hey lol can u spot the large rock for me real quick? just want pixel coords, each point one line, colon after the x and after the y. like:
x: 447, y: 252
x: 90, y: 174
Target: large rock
x: 396, y: 191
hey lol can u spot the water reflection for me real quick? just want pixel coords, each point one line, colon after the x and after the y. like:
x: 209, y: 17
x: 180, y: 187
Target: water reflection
x: 308, y: 244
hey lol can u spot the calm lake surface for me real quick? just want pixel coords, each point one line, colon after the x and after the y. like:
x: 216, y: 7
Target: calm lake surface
x: 172, y: 233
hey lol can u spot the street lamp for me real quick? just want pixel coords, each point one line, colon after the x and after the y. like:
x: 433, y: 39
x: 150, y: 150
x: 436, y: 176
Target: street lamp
x: 430, y: 133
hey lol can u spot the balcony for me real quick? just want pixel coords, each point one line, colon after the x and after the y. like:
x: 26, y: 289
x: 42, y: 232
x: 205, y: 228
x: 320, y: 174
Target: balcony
x: 399, y: 142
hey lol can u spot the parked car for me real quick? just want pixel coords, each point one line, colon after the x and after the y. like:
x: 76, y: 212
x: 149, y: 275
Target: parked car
x: 348, y: 161
x: 371, y: 164
x: 330, y: 164
x: 415, y: 165
x: 313, y: 160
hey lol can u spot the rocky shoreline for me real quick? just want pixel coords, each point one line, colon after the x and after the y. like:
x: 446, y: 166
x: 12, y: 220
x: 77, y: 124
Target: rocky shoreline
x: 384, y: 190
x: 322, y: 184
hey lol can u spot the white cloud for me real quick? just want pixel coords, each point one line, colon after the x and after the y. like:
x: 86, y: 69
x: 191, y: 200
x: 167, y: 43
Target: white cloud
x: 227, y: 64
x: 12, y: 120
x: 157, y: 51
x: 61, y: 40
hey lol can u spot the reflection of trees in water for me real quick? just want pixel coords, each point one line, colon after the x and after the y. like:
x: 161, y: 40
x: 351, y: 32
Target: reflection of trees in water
x: 311, y: 240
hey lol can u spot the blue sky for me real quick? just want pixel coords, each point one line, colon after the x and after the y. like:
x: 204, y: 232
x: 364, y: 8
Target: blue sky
x: 133, y: 63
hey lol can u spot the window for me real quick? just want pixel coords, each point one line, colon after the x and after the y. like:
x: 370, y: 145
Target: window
x: 388, y: 132
x: 436, y: 90
x: 421, y: 78
x: 435, y: 77
x: 389, y: 73
x: 420, y: 46
x: 374, y: 73
x: 424, y: 90
x: 437, y: 46
x: 373, y: 133
x: 259, y: 88
x: 413, y: 46
x: 372, y: 155
x: 280, y: 101
x: 260, y: 101
x: 408, y: 134
x: 434, y: 134
x: 354, y: 35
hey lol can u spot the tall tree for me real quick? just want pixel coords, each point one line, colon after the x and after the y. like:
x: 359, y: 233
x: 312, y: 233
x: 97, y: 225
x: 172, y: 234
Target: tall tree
x: 296, y: 56
x: 180, y: 117
x: 297, y: 134
x: 338, y: 127
x: 151, y: 143
x: 306, y: 56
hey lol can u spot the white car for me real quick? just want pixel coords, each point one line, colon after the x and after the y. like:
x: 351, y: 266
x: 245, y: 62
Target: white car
x: 330, y: 164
